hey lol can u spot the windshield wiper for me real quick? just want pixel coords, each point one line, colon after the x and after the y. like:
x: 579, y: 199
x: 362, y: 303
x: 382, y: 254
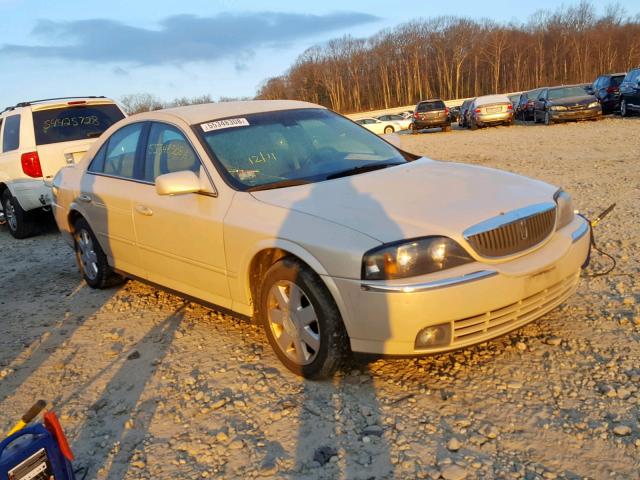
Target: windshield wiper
x: 280, y: 184
x: 369, y: 167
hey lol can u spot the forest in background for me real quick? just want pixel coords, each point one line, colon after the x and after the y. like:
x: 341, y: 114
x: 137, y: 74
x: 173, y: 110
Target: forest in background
x: 452, y: 57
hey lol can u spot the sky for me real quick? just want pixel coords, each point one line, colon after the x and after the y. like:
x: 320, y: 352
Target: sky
x: 171, y: 49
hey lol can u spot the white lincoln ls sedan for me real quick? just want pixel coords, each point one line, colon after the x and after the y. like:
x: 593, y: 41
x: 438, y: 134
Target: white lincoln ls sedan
x: 333, y: 239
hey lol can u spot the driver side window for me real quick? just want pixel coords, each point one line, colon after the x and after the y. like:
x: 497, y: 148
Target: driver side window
x: 168, y: 151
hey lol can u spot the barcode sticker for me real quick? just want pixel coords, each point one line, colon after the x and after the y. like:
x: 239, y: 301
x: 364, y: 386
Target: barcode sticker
x: 228, y: 123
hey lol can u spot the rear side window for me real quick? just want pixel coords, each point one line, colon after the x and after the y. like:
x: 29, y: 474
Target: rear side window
x: 74, y: 123
x: 11, y: 137
x: 429, y: 106
x: 616, y: 81
x: 97, y: 164
x: 121, y: 151
x: 168, y: 151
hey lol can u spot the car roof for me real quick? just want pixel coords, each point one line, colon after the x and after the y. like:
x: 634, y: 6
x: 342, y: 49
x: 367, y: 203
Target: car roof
x: 430, y: 100
x: 205, y: 112
x: 60, y: 102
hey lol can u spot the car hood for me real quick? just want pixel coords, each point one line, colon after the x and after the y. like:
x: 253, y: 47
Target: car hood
x: 577, y: 100
x: 421, y: 198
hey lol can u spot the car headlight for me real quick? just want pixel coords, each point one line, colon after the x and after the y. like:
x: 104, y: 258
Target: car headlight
x: 564, y: 212
x: 410, y: 258
x: 594, y: 104
x: 557, y: 108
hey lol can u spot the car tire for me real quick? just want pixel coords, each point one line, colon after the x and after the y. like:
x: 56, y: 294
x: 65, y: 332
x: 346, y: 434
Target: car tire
x: 624, y: 109
x: 91, y: 259
x: 547, y: 119
x: 473, y: 125
x: 20, y: 222
x: 446, y: 128
x: 313, y: 345
x: 389, y: 130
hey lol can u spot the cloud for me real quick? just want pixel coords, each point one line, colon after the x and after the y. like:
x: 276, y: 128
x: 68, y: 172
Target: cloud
x: 179, y: 38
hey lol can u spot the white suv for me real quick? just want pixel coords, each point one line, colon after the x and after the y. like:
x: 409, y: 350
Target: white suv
x: 37, y: 138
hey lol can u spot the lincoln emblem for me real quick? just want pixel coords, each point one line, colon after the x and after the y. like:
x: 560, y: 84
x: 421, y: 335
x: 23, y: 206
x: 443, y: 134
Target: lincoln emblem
x: 524, y: 233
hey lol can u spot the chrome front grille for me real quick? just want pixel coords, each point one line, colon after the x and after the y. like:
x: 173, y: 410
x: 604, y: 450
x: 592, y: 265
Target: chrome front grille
x: 493, y: 323
x: 513, y: 231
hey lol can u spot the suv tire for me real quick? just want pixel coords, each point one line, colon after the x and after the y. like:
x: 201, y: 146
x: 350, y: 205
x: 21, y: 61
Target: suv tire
x: 290, y: 286
x: 91, y: 259
x: 20, y: 223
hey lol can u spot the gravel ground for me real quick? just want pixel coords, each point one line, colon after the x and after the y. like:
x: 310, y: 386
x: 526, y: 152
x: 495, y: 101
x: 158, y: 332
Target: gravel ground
x: 150, y: 386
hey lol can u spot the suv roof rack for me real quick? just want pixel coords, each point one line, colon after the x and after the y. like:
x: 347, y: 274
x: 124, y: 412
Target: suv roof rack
x: 31, y: 102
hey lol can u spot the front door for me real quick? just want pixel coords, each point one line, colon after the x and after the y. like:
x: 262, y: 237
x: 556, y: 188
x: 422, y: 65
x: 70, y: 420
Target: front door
x: 180, y: 237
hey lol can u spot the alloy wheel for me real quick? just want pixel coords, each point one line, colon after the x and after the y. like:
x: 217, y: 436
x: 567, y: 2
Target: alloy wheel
x: 10, y: 215
x: 293, y: 322
x: 88, y: 255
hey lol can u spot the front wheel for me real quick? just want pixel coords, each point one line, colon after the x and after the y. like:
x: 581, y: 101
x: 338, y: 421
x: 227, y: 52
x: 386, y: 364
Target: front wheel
x: 388, y: 130
x: 20, y: 222
x: 301, y: 320
x: 91, y: 259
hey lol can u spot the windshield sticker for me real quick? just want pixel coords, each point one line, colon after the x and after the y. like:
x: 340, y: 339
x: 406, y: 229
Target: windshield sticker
x: 228, y: 123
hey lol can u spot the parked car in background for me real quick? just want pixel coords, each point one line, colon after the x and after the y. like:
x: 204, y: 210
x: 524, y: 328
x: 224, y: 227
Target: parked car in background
x: 463, y: 117
x: 404, y: 122
x: 333, y: 239
x: 489, y: 110
x: 378, y: 126
x: 39, y: 137
x: 606, y: 88
x: 513, y: 98
x: 630, y: 93
x: 526, y: 105
x: 430, y: 114
x: 407, y: 114
x: 566, y: 103
x: 454, y: 113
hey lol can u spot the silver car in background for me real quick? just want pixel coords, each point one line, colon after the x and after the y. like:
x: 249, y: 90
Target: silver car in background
x: 490, y: 110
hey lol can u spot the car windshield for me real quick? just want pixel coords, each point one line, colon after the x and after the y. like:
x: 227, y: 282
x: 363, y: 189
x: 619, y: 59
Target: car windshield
x: 616, y: 81
x: 73, y: 123
x: 564, y: 92
x: 429, y: 106
x: 273, y: 149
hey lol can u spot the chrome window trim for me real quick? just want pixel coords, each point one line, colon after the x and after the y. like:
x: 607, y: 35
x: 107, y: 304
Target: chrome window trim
x: 421, y: 287
x: 580, y: 232
x: 507, y: 218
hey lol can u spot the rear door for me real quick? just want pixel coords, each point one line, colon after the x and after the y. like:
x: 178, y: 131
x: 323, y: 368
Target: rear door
x: 105, y: 194
x: 64, y: 132
x: 180, y: 237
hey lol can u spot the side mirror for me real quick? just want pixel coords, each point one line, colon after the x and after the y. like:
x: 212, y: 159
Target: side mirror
x: 177, y: 183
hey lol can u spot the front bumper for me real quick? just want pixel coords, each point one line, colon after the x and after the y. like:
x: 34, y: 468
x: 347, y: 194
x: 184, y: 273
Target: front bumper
x: 480, y: 301
x: 569, y: 115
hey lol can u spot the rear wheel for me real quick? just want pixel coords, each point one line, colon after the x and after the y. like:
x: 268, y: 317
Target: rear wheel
x: 20, y: 222
x: 446, y: 128
x: 301, y: 320
x: 624, y: 110
x: 91, y: 259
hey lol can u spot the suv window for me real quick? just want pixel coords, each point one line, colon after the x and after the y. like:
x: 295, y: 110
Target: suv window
x: 121, y: 151
x: 430, y: 106
x: 11, y: 137
x: 73, y: 123
x: 168, y: 151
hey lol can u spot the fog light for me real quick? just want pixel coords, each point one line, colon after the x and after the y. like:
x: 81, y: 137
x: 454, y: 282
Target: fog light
x: 434, y: 336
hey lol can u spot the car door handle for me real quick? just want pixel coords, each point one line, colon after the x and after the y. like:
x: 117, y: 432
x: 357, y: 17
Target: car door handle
x: 83, y: 197
x: 144, y: 210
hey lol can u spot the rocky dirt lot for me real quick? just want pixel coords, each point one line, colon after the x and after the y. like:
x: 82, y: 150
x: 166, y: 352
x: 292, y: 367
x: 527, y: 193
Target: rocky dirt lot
x: 150, y: 386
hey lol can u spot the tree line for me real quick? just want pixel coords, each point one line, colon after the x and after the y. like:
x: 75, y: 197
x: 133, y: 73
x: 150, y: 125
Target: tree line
x: 453, y: 57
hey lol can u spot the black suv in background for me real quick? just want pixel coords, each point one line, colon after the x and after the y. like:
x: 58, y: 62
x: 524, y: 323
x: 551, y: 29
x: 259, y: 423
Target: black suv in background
x: 606, y: 89
x: 429, y: 114
x: 630, y: 93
